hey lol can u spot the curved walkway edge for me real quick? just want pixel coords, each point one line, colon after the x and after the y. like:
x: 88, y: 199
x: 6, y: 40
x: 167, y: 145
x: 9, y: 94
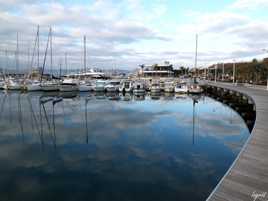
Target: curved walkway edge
x: 247, y: 178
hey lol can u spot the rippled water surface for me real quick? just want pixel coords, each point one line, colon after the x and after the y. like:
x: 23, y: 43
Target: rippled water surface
x: 114, y: 147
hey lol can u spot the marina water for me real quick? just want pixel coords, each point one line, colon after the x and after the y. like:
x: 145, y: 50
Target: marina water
x: 115, y: 147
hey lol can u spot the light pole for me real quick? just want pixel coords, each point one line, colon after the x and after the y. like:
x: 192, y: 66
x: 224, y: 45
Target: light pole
x: 223, y: 71
x: 265, y: 50
x: 216, y: 67
x: 234, y: 72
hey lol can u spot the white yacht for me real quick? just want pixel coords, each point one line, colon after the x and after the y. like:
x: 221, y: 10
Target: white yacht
x: 50, y: 86
x: 155, y: 87
x: 125, y: 86
x: 138, y: 88
x: 32, y: 85
x: 169, y: 87
x: 85, y: 86
x: 112, y: 86
x: 12, y: 84
x: 100, y: 86
x: 181, y: 87
x: 68, y: 84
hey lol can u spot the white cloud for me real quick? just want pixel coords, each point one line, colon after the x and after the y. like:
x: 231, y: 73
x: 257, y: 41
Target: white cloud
x: 249, y: 4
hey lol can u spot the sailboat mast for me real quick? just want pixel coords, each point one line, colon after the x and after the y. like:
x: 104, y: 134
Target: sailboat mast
x: 38, y: 46
x: 51, y: 61
x: 196, y: 46
x: 66, y: 67
x: 44, y: 63
x: 85, y: 54
x: 17, y: 54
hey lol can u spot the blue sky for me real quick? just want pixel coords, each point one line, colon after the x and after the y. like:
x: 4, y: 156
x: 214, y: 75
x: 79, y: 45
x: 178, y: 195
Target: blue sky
x: 126, y: 33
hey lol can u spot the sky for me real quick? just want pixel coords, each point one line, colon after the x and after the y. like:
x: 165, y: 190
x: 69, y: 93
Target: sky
x: 122, y: 34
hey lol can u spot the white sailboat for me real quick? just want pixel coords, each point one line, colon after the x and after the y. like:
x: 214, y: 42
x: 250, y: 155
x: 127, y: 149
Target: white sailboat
x: 126, y: 86
x: 85, y: 85
x: 50, y: 85
x: 68, y: 85
x: 29, y: 84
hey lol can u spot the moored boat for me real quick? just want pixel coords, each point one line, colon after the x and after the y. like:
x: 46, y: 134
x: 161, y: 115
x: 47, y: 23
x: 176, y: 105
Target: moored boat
x: 99, y: 86
x: 181, y: 87
x: 155, y: 87
x: 138, y: 88
x: 68, y: 85
x: 50, y: 86
x: 169, y: 87
x: 112, y: 86
x: 126, y: 86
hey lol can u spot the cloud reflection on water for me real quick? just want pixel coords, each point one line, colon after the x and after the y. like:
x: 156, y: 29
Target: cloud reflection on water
x: 135, y: 150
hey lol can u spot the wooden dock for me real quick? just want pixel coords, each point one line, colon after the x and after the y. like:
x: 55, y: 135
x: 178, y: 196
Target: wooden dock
x: 247, y: 178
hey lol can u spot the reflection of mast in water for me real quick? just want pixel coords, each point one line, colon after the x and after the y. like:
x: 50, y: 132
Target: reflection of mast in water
x: 20, y: 117
x: 42, y: 102
x: 195, y: 101
x: 55, y: 101
x: 35, y: 125
x: 2, y: 105
x: 87, y: 99
x: 9, y: 108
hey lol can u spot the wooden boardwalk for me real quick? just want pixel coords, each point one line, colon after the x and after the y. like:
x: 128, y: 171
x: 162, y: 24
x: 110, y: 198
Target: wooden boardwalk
x: 247, y: 179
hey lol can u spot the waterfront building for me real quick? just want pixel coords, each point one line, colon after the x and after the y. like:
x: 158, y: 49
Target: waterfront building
x: 156, y: 70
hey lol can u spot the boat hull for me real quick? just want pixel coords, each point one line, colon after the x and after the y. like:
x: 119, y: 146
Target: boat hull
x: 50, y: 87
x: 68, y: 88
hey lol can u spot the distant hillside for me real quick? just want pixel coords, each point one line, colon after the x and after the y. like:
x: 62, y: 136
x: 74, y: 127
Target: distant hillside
x: 248, y: 72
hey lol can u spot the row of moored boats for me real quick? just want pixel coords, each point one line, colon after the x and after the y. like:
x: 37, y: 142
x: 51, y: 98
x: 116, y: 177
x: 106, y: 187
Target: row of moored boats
x: 124, y: 85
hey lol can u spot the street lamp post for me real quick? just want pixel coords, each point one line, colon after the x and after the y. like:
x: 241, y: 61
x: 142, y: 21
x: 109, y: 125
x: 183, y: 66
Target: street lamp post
x: 216, y: 67
x: 234, y: 71
x: 265, y: 50
x: 223, y: 71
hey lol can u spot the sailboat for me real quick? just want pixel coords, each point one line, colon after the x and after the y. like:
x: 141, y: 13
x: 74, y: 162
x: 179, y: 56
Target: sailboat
x: 29, y: 84
x: 68, y: 84
x: 49, y: 85
x: 194, y: 87
x: 14, y: 83
x: 85, y: 85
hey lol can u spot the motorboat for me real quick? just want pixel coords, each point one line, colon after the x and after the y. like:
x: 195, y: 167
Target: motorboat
x: 50, y: 86
x: 85, y: 86
x: 138, y: 88
x: 169, y: 87
x: 100, y: 86
x: 68, y: 85
x: 112, y: 86
x: 181, y: 87
x: 155, y: 88
x: 125, y: 86
x: 12, y: 84
x: 2, y: 83
x: 194, y: 87
x: 33, y: 85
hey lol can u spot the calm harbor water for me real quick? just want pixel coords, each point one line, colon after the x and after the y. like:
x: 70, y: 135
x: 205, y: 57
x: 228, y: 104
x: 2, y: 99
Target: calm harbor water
x: 114, y: 147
